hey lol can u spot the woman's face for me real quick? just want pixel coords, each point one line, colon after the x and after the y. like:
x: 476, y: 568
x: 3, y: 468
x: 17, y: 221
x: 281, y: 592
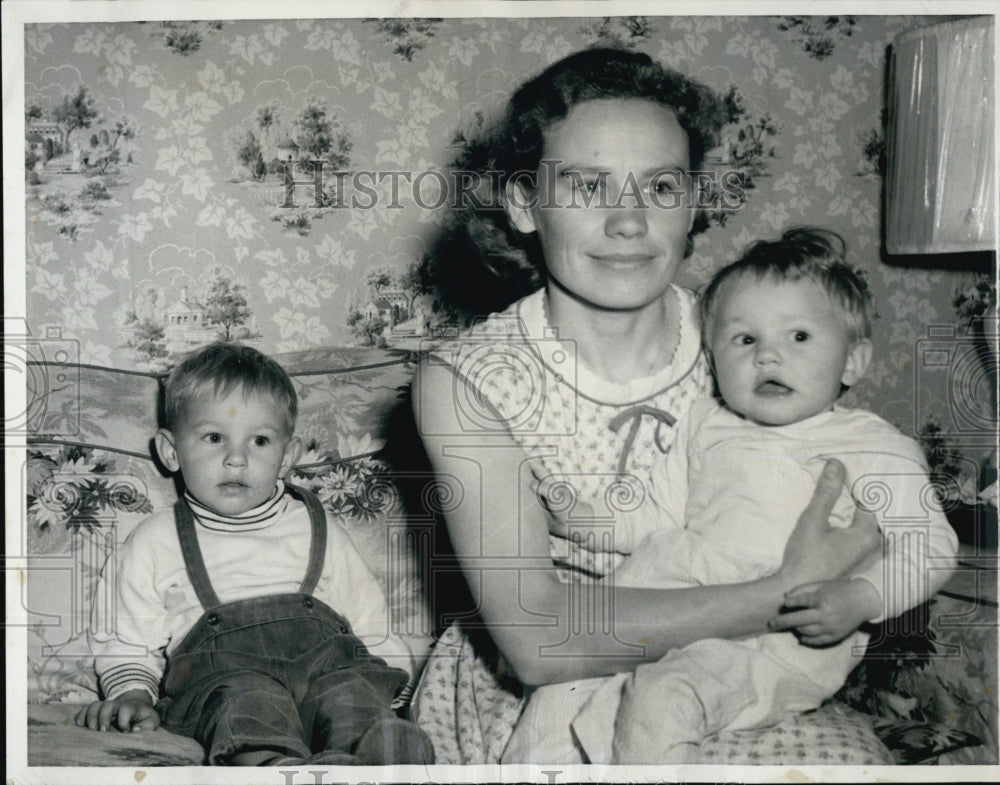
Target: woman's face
x: 610, y: 208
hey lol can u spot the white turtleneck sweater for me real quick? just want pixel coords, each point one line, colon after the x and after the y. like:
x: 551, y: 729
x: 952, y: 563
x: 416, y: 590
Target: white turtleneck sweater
x: 262, y: 552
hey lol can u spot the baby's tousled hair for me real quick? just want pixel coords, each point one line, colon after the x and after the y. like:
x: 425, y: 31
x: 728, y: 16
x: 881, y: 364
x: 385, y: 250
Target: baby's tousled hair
x: 803, y: 252
x: 220, y: 368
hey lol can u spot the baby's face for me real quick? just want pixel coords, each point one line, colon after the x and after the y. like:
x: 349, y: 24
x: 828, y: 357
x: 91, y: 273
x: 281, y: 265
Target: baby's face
x: 231, y: 450
x: 781, y: 349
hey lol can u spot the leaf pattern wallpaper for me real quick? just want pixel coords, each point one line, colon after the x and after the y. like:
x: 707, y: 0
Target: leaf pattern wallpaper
x: 156, y: 194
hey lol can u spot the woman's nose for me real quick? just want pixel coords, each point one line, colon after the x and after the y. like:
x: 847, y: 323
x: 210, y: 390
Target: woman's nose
x: 626, y: 219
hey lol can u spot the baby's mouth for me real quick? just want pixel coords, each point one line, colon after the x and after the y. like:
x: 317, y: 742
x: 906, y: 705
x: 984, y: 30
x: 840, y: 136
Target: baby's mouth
x: 772, y: 388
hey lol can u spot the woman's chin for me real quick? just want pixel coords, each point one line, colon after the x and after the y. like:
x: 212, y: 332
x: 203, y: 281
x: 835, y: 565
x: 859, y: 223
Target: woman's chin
x: 617, y: 298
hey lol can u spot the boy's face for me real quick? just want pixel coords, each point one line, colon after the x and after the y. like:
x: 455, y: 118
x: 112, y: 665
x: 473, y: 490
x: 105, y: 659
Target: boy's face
x: 781, y: 349
x: 230, y: 450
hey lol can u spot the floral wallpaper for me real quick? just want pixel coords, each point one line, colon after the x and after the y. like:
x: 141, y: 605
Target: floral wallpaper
x: 165, y: 205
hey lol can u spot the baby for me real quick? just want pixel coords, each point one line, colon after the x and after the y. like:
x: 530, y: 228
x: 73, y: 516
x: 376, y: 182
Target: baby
x: 254, y: 612
x: 787, y: 329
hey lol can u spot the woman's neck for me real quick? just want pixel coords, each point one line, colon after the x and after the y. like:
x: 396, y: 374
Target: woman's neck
x: 617, y: 345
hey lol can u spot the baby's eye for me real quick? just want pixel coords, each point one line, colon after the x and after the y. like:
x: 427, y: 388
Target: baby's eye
x: 745, y: 340
x: 801, y: 336
x: 212, y: 438
x: 261, y: 441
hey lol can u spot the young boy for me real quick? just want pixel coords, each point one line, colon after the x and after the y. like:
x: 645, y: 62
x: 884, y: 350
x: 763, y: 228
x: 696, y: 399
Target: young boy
x: 787, y: 329
x: 254, y: 612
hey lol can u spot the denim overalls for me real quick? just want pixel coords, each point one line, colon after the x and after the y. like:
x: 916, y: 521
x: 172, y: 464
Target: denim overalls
x: 282, y: 672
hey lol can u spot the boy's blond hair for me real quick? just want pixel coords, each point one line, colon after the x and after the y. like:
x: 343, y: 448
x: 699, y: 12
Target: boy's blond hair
x: 220, y: 368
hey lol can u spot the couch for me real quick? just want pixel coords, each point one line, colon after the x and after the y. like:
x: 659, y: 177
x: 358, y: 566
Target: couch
x: 90, y: 479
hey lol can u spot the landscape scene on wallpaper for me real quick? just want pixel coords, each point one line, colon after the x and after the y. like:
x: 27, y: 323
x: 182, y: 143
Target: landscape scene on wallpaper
x: 289, y: 158
x: 157, y: 331
x: 76, y: 158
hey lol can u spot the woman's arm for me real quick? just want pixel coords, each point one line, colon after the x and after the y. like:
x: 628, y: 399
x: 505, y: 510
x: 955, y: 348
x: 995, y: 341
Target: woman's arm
x: 552, y: 631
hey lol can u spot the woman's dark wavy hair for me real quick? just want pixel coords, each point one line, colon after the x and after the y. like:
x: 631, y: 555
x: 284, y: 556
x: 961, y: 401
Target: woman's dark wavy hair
x: 484, y: 264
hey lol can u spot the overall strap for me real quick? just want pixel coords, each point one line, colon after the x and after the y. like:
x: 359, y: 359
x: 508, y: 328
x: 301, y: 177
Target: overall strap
x: 194, y: 563
x: 317, y: 546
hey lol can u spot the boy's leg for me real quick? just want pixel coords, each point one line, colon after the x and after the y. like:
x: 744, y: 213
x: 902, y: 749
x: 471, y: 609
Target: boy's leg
x: 348, y: 711
x: 250, y: 719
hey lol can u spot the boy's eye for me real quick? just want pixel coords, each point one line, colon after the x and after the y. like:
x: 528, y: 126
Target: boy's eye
x: 261, y: 441
x: 213, y: 438
x: 801, y: 336
x: 745, y: 340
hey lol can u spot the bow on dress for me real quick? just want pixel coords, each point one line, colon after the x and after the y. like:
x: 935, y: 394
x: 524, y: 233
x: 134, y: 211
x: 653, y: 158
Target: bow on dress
x: 635, y: 414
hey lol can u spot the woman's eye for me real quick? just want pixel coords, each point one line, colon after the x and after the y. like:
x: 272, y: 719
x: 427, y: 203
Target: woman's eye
x: 668, y: 184
x: 801, y: 336
x: 587, y: 184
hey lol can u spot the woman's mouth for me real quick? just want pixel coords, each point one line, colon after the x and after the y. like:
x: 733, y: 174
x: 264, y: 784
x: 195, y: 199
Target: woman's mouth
x: 624, y: 259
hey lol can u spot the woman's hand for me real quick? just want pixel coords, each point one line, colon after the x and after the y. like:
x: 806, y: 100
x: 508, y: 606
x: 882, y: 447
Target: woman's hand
x: 817, y: 551
x: 824, y: 613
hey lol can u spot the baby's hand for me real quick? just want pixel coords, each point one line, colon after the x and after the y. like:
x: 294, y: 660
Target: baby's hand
x: 131, y: 711
x: 562, y: 503
x: 825, y: 613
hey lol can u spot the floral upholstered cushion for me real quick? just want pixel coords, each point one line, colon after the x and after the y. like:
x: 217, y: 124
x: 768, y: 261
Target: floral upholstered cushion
x: 833, y: 735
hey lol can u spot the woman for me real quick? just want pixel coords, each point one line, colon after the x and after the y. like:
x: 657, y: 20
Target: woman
x: 583, y: 380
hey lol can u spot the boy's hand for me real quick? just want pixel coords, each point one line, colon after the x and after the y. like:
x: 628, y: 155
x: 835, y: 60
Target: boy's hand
x: 825, y: 613
x: 131, y: 711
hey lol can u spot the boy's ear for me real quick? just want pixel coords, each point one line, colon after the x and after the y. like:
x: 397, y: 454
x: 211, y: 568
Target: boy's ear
x: 164, y: 441
x: 517, y: 204
x: 858, y: 357
x: 292, y: 452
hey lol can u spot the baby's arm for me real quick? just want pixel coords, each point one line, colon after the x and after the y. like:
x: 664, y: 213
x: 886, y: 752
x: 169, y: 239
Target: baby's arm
x: 917, y: 558
x: 919, y: 544
x: 129, y: 672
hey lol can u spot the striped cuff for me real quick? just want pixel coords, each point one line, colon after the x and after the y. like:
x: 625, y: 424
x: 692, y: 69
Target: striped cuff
x: 129, y: 676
